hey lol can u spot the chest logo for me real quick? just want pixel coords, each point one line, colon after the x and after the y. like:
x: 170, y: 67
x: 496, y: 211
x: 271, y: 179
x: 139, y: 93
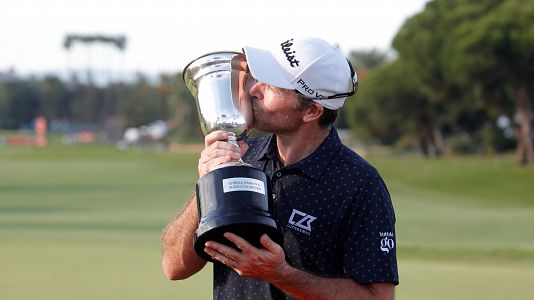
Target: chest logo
x: 301, y: 221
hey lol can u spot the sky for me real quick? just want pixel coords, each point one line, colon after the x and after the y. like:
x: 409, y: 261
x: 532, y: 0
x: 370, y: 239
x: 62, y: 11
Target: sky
x: 163, y: 36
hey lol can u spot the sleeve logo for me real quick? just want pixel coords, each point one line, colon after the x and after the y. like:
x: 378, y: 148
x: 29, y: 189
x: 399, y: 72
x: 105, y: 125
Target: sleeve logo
x: 387, y: 243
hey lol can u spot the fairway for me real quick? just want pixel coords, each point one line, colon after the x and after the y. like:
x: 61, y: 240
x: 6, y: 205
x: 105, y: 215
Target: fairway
x: 84, y: 222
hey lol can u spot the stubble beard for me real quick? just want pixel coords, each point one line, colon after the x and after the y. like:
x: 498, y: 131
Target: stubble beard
x: 276, y: 122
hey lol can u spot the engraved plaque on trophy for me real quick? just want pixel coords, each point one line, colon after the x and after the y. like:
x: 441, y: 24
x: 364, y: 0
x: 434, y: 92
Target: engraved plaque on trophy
x: 234, y: 197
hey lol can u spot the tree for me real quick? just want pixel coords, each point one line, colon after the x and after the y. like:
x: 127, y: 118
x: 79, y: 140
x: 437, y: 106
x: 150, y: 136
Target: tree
x: 183, y: 115
x: 368, y: 59
x: 22, y: 105
x: 493, y: 50
x: 363, y: 62
x: 419, y: 42
x: 472, y: 58
x: 390, y: 109
x: 54, y: 98
x: 142, y: 104
x: 4, y: 104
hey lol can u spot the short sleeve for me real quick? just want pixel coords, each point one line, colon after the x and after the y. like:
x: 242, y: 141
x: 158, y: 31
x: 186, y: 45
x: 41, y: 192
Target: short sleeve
x: 369, y: 249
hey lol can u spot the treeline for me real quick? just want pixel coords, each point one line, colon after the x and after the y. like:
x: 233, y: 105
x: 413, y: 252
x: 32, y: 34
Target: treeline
x: 88, y: 106
x: 462, y: 80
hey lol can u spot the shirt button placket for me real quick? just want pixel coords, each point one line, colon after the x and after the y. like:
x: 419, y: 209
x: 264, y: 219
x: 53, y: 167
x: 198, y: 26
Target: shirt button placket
x: 275, y: 184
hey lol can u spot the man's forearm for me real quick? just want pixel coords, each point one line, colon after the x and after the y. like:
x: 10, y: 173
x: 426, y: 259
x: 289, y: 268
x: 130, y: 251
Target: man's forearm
x: 303, y: 285
x: 179, y: 258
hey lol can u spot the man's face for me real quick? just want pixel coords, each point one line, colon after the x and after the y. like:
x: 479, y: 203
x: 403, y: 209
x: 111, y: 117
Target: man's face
x: 275, y: 110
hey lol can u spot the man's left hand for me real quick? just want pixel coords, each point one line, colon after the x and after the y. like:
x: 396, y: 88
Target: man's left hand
x: 263, y: 264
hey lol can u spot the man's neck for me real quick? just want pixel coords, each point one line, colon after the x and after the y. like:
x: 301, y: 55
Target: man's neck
x: 295, y: 146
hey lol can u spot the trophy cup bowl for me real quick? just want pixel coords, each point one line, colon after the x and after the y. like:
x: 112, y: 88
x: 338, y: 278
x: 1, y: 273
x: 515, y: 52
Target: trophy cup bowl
x: 234, y: 197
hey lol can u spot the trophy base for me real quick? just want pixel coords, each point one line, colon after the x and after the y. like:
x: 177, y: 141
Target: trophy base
x: 235, y: 199
x: 251, y: 232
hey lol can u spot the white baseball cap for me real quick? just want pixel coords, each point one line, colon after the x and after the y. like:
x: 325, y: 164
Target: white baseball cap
x: 313, y: 67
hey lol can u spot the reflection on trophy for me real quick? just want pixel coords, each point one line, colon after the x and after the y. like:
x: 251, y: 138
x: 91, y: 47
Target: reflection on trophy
x: 235, y: 197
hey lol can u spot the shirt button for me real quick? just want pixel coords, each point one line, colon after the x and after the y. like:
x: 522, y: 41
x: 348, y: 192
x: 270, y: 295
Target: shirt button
x: 274, y: 196
x: 278, y: 174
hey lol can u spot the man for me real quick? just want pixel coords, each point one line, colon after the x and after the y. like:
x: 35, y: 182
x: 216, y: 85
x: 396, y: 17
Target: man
x: 333, y: 207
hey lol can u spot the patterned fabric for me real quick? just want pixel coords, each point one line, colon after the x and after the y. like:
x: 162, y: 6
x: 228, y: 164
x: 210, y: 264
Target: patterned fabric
x: 335, y: 213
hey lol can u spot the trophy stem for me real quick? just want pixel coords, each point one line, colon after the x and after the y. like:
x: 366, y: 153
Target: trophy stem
x: 232, y: 139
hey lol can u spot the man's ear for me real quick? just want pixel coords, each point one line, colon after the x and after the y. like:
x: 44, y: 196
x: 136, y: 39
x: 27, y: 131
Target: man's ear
x: 314, y: 112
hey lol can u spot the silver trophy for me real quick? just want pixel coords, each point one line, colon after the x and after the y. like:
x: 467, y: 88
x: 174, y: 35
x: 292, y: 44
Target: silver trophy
x: 235, y: 197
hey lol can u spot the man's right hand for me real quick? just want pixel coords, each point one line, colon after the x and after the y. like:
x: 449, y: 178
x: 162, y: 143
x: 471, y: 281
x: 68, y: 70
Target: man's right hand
x: 217, y: 151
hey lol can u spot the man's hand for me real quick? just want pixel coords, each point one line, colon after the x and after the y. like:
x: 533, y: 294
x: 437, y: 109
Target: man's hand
x: 262, y: 264
x: 218, y: 151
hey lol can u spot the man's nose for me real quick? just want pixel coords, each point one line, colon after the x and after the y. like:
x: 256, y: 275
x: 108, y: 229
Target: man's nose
x: 254, y: 88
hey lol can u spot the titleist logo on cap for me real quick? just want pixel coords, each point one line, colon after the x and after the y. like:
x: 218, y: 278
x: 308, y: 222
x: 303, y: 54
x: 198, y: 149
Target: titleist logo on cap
x: 286, y: 47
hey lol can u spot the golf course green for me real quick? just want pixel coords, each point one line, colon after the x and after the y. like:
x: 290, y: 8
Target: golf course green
x: 84, y: 222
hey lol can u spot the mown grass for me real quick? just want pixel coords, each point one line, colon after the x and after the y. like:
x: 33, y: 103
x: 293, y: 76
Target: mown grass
x: 465, y: 226
x: 84, y: 222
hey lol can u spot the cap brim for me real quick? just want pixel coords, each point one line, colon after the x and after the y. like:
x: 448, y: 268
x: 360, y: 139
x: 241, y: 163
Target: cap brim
x: 264, y: 67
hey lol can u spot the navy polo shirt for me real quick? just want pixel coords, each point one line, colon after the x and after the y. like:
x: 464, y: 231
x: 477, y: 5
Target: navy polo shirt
x: 335, y: 213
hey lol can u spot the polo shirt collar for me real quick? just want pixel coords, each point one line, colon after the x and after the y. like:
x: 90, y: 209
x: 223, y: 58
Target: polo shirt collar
x: 315, y: 163
x: 269, y: 149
